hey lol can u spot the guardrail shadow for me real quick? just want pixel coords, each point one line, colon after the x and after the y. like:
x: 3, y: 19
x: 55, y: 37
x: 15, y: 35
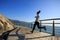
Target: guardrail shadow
x: 6, y: 34
x: 20, y: 36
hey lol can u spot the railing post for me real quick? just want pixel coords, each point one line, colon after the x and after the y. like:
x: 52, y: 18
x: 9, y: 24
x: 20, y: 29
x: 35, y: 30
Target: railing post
x: 40, y: 26
x: 53, y: 29
x: 31, y: 25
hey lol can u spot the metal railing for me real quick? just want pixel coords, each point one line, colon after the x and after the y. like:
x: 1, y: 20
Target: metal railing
x: 53, y: 24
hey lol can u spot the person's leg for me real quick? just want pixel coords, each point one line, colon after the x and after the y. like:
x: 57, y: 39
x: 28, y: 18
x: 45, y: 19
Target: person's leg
x: 33, y: 27
x: 38, y: 25
x: 44, y: 28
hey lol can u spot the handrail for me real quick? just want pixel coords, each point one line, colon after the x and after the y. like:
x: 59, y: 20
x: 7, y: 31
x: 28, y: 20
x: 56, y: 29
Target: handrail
x: 50, y: 23
x: 53, y: 24
x: 50, y: 19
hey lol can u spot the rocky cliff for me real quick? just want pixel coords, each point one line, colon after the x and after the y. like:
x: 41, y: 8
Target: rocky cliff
x: 5, y: 24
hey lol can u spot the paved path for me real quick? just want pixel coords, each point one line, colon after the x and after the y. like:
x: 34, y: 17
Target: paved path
x: 23, y: 33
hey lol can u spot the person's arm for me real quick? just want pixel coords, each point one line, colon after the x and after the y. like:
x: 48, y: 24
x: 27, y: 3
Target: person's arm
x: 36, y: 16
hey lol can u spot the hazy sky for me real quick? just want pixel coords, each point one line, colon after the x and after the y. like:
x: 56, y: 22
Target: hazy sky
x: 25, y: 10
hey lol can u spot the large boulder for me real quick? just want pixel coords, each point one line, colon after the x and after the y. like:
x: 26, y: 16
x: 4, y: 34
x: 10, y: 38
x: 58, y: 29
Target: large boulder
x: 5, y: 24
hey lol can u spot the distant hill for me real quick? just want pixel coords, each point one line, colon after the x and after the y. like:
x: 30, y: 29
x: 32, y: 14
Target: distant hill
x: 21, y: 23
x: 5, y: 23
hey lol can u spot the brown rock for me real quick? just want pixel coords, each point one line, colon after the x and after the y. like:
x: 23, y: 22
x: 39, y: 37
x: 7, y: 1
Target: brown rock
x: 5, y: 24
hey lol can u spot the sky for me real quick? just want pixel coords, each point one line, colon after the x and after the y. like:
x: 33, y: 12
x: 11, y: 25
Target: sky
x: 25, y: 10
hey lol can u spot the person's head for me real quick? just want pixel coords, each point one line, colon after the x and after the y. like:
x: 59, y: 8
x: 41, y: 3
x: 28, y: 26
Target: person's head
x: 38, y: 12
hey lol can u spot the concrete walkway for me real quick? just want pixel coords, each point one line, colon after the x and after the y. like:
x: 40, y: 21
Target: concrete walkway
x: 23, y: 33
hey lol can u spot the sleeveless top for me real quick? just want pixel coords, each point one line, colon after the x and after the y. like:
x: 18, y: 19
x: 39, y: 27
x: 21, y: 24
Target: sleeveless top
x: 37, y: 18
